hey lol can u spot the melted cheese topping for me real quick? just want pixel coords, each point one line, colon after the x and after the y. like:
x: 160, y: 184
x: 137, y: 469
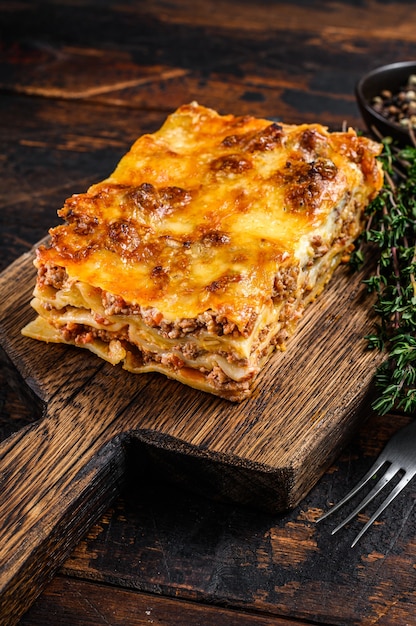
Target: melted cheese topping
x: 200, y: 215
x: 197, y: 256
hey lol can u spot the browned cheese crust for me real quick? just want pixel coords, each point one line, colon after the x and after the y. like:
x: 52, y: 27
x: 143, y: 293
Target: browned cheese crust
x: 197, y: 256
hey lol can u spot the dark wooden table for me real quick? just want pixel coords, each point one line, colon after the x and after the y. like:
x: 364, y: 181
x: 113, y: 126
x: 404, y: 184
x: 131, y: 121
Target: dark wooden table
x: 79, y: 81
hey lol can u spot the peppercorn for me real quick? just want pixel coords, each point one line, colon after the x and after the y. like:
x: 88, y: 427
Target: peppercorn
x: 399, y: 107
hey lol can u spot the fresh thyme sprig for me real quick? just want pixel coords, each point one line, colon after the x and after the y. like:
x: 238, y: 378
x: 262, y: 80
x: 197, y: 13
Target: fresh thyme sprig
x: 391, y: 228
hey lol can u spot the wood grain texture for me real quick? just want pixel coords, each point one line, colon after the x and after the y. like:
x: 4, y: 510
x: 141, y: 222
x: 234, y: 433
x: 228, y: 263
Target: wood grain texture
x: 179, y: 545
x: 60, y: 472
x: 77, y: 85
x: 289, y: 60
x: 81, y: 603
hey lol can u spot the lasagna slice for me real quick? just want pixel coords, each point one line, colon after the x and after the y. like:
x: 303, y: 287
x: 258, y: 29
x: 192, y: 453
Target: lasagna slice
x: 198, y: 255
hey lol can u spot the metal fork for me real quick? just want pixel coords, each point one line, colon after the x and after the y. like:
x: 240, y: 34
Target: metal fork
x: 398, y: 457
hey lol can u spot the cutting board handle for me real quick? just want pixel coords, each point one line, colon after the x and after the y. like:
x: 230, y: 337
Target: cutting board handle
x: 60, y: 473
x: 54, y: 483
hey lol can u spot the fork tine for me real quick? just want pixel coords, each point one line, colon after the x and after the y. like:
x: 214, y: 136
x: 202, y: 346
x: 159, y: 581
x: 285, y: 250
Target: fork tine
x: 364, y: 480
x: 398, y: 488
x: 380, y: 484
x: 399, y: 455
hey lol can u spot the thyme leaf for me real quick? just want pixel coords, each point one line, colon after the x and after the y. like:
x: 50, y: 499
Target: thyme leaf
x: 391, y: 229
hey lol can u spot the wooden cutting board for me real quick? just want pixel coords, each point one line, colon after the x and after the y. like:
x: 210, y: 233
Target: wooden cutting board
x: 58, y: 474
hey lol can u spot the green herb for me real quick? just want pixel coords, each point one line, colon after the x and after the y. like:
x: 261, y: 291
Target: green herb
x: 391, y: 227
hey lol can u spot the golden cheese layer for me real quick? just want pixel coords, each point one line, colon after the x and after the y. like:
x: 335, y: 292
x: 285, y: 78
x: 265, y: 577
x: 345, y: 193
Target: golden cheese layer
x: 237, y: 217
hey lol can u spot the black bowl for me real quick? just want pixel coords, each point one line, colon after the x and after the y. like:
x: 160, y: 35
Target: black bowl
x: 392, y: 77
